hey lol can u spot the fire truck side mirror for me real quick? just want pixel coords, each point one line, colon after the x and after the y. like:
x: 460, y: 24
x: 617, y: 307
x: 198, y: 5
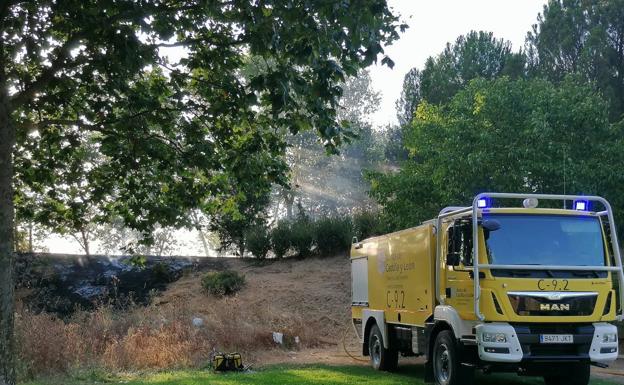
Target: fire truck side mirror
x: 490, y: 224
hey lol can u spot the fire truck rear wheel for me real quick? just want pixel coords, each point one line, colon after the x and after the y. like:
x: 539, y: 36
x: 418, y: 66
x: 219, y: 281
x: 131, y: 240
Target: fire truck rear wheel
x: 447, y: 366
x: 574, y: 374
x: 381, y: 358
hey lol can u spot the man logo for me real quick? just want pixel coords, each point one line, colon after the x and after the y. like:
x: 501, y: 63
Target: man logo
x: 555, y: 307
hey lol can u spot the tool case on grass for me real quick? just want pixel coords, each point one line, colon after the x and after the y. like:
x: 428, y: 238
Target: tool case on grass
x: 223, y: 362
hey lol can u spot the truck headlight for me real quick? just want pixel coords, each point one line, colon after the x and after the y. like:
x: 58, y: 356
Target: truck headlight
x: 609, y: 337
x: 494, y: 337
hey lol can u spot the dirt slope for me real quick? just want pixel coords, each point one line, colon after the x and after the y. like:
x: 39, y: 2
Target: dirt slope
x: 314, y: 292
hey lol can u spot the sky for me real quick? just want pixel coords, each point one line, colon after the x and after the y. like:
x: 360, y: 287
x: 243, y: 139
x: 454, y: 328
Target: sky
x: 433, y: 23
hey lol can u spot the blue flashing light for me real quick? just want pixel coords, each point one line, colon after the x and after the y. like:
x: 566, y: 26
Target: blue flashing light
x: 581, y: 205
x: 483, y: 203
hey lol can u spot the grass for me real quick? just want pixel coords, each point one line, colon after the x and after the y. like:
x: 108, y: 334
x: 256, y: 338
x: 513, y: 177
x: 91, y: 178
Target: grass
x: 283, y: 375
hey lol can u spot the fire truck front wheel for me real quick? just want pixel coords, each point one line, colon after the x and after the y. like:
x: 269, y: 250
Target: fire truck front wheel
x: 381, y: 358
x: 447, y: 366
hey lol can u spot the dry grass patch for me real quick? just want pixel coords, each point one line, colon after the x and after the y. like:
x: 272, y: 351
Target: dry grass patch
x: 308, y: 299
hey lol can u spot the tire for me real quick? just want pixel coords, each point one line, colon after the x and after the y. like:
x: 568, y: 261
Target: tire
x: 381, y: 358
x: 447, y: 366
x: 575, y: 374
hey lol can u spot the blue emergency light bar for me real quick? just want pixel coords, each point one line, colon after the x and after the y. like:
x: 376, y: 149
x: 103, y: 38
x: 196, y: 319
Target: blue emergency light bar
x: 581, y: 205
x: 483, y: 203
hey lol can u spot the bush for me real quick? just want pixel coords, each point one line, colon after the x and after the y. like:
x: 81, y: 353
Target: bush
x: 222, y: 283
x: 367, y: 224
x: 138, y: 261
x: 327, y: 236
x: 258, y: 241
x: 161, y: 273
x: 302, y: 237
x: 280, y: 239
x: 333, y: 235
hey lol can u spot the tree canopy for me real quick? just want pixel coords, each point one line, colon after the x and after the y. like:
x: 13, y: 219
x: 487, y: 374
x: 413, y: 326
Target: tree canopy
x: 504, y: 135
x: 474, y: 55
x: 583, y: 37
x: 410, y: 96
x: 547, y: 118
x: 100, y: 81
x: 98, y: 75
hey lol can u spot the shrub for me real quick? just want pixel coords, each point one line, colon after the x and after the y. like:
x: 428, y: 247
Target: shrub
x: 161, y: 273
x: 280, y: 239
x: 222, y: 283
x: 302, y: 236
x: 367, y: 224
x: 333, y: 235
x: 258, y: 241
x: 138, y: 261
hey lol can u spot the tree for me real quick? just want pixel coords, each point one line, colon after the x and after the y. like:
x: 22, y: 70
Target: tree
x: 29, y: 237
x: 115, y: 238
x: 410, y: 97
x: 504, y: 135
x: 65, y: 194
x: 172, y: 133
x: 330, y: 182
x: 584, y: 37
x: 249, y: 194
x: 472, y: 56
x: 391, y: 137
x: 164, y: 243
x: 209, y: 241
x: 475, y: 55
x: 358, y: 101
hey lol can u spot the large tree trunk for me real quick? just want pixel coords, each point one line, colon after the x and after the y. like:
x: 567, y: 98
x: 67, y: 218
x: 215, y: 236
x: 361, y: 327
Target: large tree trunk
x: 7, y: 139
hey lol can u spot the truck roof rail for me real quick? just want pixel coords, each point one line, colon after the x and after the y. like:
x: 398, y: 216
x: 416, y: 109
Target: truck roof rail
x: 452, y: 208
x: 475, y: 233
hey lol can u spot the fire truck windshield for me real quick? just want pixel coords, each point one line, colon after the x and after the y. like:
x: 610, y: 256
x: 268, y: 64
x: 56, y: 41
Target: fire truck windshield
x: 545, y: 240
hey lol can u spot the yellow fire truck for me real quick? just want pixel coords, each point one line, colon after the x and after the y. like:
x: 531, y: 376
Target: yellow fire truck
x: 502, y: 285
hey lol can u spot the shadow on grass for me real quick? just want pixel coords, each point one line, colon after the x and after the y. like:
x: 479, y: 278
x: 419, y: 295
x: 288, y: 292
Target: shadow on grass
x: 417, y: 371
x: 412, y: 374
x: 326, y: 375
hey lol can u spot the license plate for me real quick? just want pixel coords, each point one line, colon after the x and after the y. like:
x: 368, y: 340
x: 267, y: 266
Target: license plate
x: 556, y: 338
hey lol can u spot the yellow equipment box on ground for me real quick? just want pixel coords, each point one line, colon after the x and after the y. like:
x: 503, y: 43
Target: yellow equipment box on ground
x: 223, y: 362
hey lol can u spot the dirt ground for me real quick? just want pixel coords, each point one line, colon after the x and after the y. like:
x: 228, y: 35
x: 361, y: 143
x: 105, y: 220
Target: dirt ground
x: 317, y: 289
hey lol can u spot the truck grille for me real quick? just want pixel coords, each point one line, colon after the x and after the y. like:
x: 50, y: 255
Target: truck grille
x: 553, y: 303
x: 533, y: 350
